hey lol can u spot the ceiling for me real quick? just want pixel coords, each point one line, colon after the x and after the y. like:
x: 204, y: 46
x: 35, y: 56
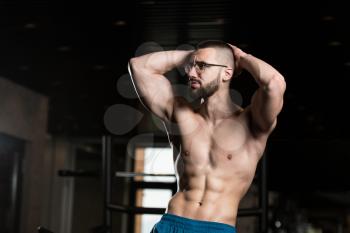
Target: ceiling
x: 76, y: 53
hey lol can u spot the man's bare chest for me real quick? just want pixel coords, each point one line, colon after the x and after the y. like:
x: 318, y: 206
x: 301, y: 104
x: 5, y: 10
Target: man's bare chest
x: 201, y: 143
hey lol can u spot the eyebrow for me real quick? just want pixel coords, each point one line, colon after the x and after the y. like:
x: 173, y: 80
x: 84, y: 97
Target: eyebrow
x: 200, y: 61
x: 205, y: 62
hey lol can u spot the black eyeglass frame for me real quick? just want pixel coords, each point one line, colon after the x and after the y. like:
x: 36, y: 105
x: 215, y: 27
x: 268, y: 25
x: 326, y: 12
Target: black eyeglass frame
x: 201, y: 66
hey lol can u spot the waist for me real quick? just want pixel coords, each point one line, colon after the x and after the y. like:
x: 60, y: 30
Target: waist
x: 196, y: 225
x: 221, y: 210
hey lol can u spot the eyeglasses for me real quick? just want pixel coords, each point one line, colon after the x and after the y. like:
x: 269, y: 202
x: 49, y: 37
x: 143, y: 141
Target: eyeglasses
x: 199, y: 66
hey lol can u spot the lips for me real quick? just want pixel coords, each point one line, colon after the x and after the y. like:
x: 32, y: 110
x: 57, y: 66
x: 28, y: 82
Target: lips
x: 195, y: 83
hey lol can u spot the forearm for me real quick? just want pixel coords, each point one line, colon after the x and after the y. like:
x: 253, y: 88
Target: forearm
x: 160, y: 62
x: 262, y: 72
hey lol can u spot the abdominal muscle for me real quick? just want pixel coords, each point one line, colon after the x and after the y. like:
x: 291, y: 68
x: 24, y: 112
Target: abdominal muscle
x: 207, y: 197
x: 182, y: 204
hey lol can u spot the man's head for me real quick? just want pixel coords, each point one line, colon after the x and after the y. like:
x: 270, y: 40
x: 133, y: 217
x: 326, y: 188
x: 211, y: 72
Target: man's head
x: 210, y: 68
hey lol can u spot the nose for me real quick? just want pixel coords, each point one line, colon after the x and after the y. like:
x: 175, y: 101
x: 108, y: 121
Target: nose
x: 192, y: 72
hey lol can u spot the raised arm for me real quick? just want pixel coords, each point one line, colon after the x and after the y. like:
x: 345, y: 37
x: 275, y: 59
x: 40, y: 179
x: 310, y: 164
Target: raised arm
x: 267, y: 101
x: 153, y: 88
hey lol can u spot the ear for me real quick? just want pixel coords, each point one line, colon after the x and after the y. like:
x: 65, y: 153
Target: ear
x: 228, y: 74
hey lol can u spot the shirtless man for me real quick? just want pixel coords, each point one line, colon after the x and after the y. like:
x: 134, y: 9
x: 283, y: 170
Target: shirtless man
x: 217, y: 144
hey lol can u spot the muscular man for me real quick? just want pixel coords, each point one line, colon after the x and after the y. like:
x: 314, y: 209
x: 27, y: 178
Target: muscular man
x: 217, y: 144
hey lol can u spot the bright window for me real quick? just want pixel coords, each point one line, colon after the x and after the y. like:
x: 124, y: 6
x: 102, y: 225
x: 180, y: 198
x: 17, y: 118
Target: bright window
x: 153, y: 161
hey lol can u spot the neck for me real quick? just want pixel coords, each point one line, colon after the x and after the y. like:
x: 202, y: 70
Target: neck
x: 218, y: 106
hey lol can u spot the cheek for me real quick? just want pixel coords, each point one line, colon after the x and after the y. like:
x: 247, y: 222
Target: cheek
x: 211, y: 77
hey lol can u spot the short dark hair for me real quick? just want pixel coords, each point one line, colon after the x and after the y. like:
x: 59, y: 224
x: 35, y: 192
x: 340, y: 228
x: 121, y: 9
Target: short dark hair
x: 213, y: 44
x: 220, y: 45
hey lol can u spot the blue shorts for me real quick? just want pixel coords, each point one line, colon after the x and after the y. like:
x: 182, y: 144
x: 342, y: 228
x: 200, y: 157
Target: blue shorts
x: 170, y: 223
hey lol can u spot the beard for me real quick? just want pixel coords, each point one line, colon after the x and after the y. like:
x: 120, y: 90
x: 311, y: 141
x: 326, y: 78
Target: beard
x: 205, y: 91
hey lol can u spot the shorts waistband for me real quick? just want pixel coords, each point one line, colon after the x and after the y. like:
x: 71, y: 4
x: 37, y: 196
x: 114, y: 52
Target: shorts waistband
x: 197, y: 225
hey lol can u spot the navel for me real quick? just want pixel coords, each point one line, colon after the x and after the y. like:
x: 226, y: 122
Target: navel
x: 229, y: 156
x: 200, y: 203
x: 186, y: 153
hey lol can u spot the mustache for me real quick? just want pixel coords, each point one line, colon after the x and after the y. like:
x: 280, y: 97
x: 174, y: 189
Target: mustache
x: 194, y: 80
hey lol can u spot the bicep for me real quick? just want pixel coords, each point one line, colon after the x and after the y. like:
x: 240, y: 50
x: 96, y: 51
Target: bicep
x: 266, y: 104
x: 154, y: 91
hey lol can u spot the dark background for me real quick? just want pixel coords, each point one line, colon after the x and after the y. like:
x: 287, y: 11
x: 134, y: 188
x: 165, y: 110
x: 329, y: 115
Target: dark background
x: 74, y: 53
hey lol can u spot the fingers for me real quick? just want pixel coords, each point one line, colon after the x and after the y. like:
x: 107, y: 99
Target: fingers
x: 236, y: 51
x: 232, y: 46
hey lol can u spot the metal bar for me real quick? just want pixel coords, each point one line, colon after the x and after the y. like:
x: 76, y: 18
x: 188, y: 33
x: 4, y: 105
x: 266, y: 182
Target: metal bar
x: 78, y: 173
x: 136, y: 210
x: 148, y: 210
x: 106, y: 175
x: 133, y: 174
x: 154, y: 185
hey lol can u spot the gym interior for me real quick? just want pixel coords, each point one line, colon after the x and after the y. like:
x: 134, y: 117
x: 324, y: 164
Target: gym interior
x: 80, y: 154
